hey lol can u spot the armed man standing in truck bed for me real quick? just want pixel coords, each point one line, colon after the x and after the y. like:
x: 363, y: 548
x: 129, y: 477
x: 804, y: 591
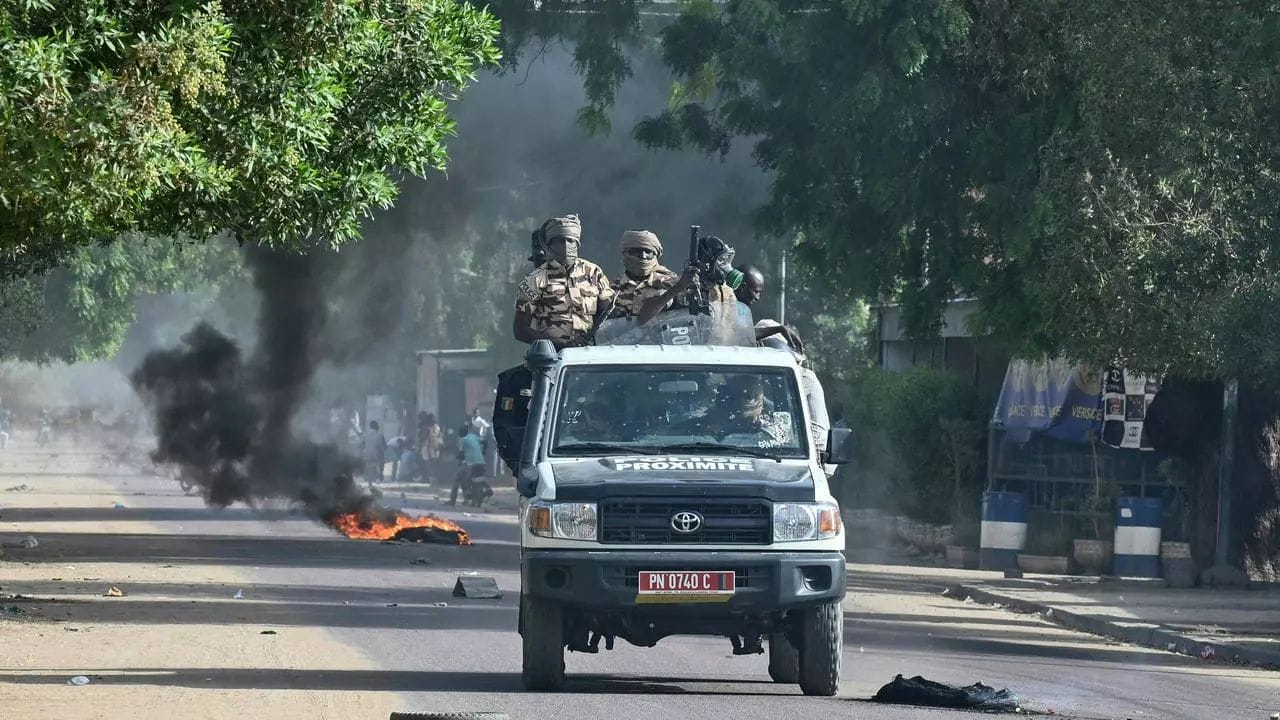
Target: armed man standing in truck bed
x: 564, y: 298
x: 644, y: 276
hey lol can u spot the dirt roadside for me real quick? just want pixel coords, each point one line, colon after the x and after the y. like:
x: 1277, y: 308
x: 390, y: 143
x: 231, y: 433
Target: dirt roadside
x: 141, y: 665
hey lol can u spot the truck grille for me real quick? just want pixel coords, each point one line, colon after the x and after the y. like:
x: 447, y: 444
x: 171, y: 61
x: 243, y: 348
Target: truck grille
x: 724, y: 522
x: 628, y: 576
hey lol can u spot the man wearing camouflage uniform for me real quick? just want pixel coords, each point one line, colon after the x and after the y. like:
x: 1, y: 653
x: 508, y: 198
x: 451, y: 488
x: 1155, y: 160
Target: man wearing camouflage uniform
x: 562, y: 299
x: 644, y: 277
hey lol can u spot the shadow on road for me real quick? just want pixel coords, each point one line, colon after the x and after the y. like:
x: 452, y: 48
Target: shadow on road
x: 391, y: 681
x: 273, y: 551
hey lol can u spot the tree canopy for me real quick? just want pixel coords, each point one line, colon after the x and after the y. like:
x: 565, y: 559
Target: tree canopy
x: 281, y: 122
x: 1101, y: 175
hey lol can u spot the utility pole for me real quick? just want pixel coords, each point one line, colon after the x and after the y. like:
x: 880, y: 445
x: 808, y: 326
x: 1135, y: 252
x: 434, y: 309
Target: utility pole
x: 1226, y: 466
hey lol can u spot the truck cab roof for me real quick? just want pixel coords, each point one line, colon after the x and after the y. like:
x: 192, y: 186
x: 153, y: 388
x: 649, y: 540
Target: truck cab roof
x: 676, y: 355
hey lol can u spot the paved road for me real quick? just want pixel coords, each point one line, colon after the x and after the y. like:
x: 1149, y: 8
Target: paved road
x: 373, y: 601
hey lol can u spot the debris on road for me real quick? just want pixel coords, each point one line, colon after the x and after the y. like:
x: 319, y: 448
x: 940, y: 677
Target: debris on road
x: 19, y: 488
x: 268, y: 632
x: 927, y: 693
x: 1207, y: 653
x: 238, y: 596
x: 28, y: 543
x: 476, y: 587
x: 120, y: 506
x: 439, y: 604
x: 78, y: 680
x: 393, y: 604
x: 420, y: 561
x: 113, y: 591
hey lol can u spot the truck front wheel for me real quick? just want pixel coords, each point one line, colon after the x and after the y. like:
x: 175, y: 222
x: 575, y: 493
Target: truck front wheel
x: 542, y: 633
x: 784, y: 659
x: 822, y: 635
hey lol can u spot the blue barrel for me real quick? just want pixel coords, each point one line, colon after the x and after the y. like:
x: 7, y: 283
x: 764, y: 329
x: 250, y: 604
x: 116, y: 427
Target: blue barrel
x: 1004, y: 530
x: 1138, y: 522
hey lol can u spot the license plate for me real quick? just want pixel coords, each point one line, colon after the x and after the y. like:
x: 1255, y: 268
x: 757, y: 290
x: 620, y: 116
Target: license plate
x: 672, y: 586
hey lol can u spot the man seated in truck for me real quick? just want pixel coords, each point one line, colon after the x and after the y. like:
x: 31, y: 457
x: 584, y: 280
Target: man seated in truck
x: 742, y: 408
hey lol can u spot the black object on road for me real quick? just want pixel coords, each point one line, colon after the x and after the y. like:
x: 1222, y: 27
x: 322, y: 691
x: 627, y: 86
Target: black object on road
x: 475, y: 586
x: 919, y: 691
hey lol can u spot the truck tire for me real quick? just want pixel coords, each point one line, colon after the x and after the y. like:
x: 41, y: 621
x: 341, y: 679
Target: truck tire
x: 542, y: 635
x: 822, y: 630
x: 784, y: 659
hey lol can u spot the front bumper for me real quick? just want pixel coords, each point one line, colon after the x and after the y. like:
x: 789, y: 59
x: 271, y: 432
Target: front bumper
x: 606, y: 580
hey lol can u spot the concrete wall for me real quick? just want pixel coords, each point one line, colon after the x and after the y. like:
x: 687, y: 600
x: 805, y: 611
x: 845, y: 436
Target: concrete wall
x: 979, y: 359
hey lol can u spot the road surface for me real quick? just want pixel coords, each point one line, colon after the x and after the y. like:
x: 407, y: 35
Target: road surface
x: 329, y: 627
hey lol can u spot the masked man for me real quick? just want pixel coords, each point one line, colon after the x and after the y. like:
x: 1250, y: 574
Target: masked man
x: 644, y: 277
x: 562, y: 299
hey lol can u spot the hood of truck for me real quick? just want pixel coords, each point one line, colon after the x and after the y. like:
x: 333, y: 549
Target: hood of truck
x: 682, y: 475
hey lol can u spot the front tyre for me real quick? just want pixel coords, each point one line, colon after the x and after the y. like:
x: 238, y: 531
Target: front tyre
x: 542, y: 634
x: 784, y: 659
x: 822, y: 642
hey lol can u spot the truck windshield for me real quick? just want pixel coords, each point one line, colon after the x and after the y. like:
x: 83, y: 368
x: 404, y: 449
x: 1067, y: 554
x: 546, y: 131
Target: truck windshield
x: 617, y: 409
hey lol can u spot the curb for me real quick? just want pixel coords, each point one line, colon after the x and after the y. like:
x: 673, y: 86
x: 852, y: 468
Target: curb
x: 1145, y: 634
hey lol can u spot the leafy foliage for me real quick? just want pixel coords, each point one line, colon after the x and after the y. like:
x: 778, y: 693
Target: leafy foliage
x: 920, y: 442
x: 281, y: 122
x: 1100, y: 175
x: 82, y: 310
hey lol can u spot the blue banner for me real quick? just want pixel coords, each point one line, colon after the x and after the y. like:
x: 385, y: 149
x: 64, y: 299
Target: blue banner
x: 1052, y: 398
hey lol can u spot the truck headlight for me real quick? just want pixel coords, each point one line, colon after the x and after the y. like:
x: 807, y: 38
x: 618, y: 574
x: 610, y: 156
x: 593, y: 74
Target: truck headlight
x: 793, y: 522
x: 567, y: 521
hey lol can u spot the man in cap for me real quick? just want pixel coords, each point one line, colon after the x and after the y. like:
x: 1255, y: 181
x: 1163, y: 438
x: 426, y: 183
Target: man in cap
x: 643, y: 277
x: 562, y: 299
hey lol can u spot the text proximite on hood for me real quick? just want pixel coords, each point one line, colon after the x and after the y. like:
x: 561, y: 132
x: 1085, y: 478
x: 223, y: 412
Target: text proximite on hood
x: 714, y: 464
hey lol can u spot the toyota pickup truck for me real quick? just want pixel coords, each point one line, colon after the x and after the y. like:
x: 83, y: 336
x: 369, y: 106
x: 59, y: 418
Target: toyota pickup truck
x: 675, y: 489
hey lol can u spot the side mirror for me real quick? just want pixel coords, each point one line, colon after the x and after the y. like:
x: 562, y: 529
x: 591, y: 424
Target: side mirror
x: 839, y: 447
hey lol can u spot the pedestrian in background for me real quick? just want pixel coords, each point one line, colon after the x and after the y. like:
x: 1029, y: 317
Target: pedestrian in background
x: 484, y: 430
x: 375, y: 452
x: 471, y: 458
x: 430, y: 445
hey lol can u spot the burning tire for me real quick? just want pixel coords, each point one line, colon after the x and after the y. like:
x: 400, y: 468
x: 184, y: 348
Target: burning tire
x: 784, y: 659
x: 542, y: 633
x: 822, y: 640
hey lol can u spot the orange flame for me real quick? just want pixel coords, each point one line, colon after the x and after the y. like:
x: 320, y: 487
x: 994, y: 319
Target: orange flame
x: 359, y: 527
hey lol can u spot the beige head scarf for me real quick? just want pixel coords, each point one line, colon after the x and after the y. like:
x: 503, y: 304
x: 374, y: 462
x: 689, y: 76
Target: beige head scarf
x: 641, y: 239
x: 640, y: 267
x: 568, y: 226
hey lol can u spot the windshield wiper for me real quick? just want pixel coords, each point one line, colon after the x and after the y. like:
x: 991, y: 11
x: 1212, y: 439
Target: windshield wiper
x: 604, y: 448
x: 748, y: 451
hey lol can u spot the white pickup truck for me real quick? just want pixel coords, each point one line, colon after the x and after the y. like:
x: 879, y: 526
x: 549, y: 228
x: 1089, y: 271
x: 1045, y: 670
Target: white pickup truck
x: 677, y: 490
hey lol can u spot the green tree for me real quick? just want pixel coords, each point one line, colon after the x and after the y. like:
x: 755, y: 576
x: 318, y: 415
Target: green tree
x: 82, y: 309
x: 284, y: 123
x: 1099, y: 174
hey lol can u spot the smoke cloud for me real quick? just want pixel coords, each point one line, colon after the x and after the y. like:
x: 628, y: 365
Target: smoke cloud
x: 226, y: 422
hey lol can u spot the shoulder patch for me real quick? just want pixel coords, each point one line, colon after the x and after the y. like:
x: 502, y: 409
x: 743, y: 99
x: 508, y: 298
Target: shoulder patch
x: 528, y: 290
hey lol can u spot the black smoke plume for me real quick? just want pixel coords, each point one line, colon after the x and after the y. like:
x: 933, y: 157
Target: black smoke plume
x: 226, y: 422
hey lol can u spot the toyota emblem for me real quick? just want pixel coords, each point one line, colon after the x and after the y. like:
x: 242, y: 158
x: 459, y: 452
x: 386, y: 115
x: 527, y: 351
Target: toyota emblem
x: 686, y: 522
